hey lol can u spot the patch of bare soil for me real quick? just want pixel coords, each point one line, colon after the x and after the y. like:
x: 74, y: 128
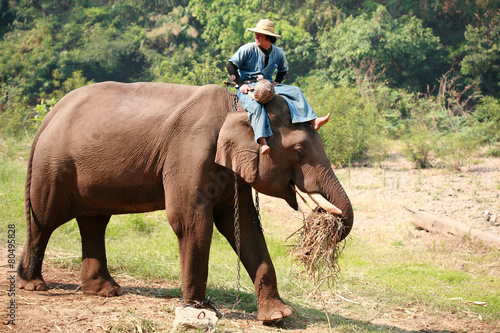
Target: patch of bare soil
x: 467, y: 196
x: 377, y: 194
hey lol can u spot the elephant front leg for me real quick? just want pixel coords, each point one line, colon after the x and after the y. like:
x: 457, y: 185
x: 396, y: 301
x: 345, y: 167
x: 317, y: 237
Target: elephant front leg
x: 193, y: 228
x: 270, y: 305
x: 96, y: 279
x: 254, y: 255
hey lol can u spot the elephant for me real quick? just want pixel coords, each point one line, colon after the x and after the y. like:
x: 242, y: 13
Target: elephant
x: 119, y: 148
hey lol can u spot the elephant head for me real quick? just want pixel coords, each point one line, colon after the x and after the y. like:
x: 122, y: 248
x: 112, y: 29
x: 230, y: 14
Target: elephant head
x: 297, y: 161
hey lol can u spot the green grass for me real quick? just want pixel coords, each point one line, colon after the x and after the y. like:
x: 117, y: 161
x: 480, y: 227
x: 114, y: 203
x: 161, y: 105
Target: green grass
x: 13, y: 156
x: 436, y: 275
x: 391, y: 272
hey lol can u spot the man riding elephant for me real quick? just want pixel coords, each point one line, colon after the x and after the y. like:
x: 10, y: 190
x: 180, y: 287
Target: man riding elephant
x: 261, y: 59
x: 113, y: 148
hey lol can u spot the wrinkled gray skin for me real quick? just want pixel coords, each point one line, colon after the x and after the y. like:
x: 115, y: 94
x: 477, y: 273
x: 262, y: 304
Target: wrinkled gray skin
x: 113, y: 148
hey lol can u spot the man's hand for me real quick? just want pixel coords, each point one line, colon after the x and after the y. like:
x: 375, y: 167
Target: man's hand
x: 245, y: 88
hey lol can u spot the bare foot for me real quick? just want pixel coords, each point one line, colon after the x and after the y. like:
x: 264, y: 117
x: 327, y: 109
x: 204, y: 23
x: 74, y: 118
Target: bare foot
x: 318, y: 122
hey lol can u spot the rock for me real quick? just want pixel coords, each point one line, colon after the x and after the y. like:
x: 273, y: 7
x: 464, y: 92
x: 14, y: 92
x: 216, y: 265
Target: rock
x: 495, y: 220
x: 487, y: 216
x: 189, y: 318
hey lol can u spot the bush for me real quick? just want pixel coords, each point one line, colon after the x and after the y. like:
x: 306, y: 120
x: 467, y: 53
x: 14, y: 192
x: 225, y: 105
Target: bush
x: 418, y: 148
x: 442, y: 126
x: 41, y: 111
x: 404, y: 52
x: 487, y: 119
x: 352, y: 125
x: 455, y: 148
x: 493, y: 152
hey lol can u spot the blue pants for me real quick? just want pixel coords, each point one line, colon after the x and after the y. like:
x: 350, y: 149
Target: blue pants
x: 300, y: 109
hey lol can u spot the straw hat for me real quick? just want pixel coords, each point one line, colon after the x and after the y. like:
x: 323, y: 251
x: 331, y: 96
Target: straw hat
x: 266, y: 27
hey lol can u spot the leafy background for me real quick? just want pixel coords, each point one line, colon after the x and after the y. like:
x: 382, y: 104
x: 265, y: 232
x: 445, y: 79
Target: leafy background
x: 425, y: 73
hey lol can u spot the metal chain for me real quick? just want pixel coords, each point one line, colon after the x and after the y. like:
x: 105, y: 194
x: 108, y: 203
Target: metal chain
x: 237, y: 235
x: 235, y: 102
x: 257, y: 208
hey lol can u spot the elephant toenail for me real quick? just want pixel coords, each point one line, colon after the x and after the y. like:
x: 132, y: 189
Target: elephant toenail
x: 276, y: 315
x: 287, y: 312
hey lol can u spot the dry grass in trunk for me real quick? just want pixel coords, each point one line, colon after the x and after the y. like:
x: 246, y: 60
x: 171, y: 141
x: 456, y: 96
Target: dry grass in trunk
x: 319, y: 247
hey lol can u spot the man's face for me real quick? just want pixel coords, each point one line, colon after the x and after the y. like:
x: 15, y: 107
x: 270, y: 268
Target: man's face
x: 262, y: 41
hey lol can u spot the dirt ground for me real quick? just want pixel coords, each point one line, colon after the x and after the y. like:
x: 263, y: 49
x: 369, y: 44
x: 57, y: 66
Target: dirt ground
x: 378, y: 191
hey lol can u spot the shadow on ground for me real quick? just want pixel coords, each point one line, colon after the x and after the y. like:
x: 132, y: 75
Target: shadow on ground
x: 246, y: 309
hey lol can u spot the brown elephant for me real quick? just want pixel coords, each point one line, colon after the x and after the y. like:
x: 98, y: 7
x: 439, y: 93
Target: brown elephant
x: 114, y: 148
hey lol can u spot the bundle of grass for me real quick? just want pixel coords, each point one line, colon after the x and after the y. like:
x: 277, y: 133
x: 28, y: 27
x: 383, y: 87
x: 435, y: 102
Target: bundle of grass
x: 319, y: 246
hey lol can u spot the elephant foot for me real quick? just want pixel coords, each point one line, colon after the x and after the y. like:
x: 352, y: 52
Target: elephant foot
x: 271, y: 311
x: 37, y: 284
x: 105, y: 288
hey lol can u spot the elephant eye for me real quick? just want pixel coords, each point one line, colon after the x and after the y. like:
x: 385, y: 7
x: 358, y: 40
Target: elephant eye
x: 299, y: 152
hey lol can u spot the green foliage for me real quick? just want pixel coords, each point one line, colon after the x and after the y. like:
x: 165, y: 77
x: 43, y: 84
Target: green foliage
x: 418, y: 148
x: 41, y: 110
x: 456, y: 148
x: 403, y: 51
x: 352, y: 124
x: 482, y: 57
x: 13, y: 120
x: 109, y: 55
x: 440, y: 127
x: 7, y: 15
x: 493, y: 152
x: 299, y: 47
x: 224, y: 23
x: 390, y: 56
x: 486, y: 119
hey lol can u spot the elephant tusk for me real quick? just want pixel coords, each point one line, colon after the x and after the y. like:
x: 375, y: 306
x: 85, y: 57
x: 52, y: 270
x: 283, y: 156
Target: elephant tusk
x: 319, y: 200
x: 300, y: 194
x: 325, y: 204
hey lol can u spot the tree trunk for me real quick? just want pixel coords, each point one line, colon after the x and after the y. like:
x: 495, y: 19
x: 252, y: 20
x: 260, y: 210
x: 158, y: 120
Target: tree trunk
x: 444, y: 225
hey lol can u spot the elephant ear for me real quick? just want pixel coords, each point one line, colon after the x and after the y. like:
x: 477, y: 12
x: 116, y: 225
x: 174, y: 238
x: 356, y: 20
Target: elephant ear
x: 236, y: 148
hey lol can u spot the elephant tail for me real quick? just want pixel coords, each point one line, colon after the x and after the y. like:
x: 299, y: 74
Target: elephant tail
x: 28, y: 209
x: 30, y: 253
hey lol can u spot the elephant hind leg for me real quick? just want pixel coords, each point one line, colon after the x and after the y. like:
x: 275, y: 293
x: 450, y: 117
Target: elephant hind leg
x: 29, y: 270
x: 96, y: 279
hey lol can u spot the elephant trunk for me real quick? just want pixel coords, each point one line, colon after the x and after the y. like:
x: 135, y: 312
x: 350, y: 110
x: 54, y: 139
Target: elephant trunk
x: 334, y: 200
x: 335, y: 194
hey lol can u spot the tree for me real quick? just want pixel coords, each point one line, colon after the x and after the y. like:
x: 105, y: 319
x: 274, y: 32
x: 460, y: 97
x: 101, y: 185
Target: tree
x: 481, y: 58
x: 404, y: 52
x: 7, y: 15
